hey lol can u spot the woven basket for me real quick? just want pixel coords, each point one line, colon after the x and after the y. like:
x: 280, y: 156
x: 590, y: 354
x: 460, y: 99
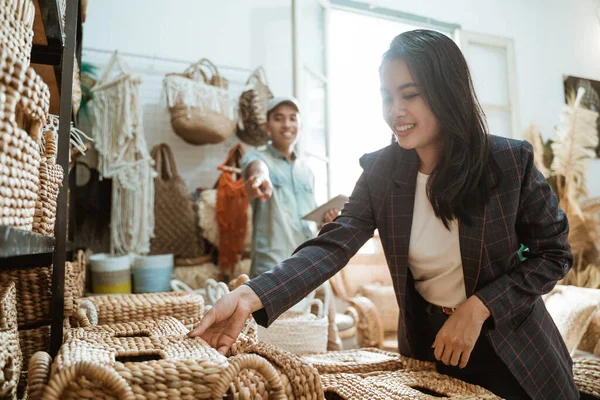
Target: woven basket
x: 201, y: 111
x: 186, y: 307
x: 358, y: 361
x: 19, y: 152
x: 175, y: 219
x: 32, y: 293
x: 158, y: 362
x: 11, y: 361
x: 253, y: 107
x: 32, y: 341
x: 299, y: 334
x: 8, y: 308
x: 401, y: 385
x: 586, y: 372
x: 51, y: 177
x: 38, y: 374
x: 10, y: 350
x: 16, y: 23
x: 300, y: 380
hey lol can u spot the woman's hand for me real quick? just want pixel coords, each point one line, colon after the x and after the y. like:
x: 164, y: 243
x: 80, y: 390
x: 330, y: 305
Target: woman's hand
x: 223, y: 323
x: 455, y: 341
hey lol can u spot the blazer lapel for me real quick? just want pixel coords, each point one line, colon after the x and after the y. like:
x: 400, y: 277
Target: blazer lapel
x: 400, y: 211
x: 471, y: 246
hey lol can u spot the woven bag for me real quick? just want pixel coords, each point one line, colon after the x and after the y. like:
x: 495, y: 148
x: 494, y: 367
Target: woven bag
x: 174, y: 216
x: 51, y: 177
x: 200, y: 107
x: 253, y: 107
x: 10, y: 351
x: 299, y: 334
x: 158, y: 360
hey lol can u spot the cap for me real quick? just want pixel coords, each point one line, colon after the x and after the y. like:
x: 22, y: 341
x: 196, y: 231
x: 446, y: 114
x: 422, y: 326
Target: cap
x: 276, y: 101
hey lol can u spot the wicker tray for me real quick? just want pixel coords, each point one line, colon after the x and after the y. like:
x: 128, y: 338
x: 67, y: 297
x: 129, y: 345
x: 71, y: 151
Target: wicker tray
x: 155, y: 362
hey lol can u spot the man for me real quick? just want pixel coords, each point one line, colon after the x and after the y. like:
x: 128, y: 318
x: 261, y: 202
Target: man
x: 280, y: 187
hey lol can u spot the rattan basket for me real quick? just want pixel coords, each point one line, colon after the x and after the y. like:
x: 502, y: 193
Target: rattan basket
x: 359, y: 361
x: 10, y: 352
x: 16, y: 23
x: 186, y: 307
x: 32, y: 293
x: 156, y: 362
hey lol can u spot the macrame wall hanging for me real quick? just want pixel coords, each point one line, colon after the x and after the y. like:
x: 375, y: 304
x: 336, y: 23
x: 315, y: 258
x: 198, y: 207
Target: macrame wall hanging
x: 124, y: 157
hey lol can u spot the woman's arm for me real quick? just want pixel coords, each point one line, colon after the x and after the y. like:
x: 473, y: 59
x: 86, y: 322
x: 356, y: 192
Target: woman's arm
x: 543, y: 227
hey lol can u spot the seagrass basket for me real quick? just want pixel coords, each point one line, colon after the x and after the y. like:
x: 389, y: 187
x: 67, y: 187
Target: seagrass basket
x: 10, y: 352
x: 102, y: 310
x: 157, y: 361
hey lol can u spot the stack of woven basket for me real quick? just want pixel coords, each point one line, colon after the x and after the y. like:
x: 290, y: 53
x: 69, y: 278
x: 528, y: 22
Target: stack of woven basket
x: 10, y: 351
x: 33, y: 304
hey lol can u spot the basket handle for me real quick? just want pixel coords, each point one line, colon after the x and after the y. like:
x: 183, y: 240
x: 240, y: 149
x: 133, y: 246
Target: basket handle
x: 38, y: 373
x: 115, y: 384
x: 179, y: 286
x: 314, y: 302
x: 215, y: 290
x: 86, y: 314
x: 258, y: 75
x: 250, y: 362
x: 193, y: 70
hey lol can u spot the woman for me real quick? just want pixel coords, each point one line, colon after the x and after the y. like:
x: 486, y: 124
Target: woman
x: 452, y: 205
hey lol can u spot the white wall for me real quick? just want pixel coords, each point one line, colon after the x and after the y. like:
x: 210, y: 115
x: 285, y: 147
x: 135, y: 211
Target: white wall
x: 237, y: 35
x: 552, y: 38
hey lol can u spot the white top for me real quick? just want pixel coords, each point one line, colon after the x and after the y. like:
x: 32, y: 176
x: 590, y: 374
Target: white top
x: 434, y: 253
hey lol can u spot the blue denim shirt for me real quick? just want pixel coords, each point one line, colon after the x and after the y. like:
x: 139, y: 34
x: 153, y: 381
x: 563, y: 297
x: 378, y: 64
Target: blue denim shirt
x: 278, y: 228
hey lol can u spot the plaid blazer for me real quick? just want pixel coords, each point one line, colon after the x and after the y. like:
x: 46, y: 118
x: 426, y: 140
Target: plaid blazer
x: 522, y: 209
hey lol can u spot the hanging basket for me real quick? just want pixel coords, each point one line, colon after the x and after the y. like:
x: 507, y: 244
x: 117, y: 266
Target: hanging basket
x: 253, y: 107
x: 199, y: 104
x: 174, y: 216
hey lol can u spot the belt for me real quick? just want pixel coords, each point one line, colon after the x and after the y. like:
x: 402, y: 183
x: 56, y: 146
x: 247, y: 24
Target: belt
x: 446, y: 310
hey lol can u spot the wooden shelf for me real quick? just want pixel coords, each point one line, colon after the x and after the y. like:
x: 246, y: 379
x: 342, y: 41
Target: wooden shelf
x: 17, y: 242
x: 48, y: 40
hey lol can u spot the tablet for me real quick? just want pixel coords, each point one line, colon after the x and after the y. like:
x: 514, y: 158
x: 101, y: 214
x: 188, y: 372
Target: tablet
x: 317, y: 214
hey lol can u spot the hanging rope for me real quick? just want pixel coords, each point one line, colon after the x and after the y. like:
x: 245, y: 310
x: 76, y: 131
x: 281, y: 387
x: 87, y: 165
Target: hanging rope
x: 124, y: 157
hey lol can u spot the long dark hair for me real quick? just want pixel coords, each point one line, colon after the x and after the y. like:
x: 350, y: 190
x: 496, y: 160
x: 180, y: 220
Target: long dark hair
x: 466, y: 172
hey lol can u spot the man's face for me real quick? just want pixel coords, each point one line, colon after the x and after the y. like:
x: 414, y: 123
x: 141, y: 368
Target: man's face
x: 282, y: 126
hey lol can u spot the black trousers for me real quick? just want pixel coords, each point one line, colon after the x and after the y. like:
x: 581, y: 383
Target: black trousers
x: 484, y: 368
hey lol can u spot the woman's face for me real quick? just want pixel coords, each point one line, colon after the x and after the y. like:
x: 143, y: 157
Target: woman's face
x: 405, y: 109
